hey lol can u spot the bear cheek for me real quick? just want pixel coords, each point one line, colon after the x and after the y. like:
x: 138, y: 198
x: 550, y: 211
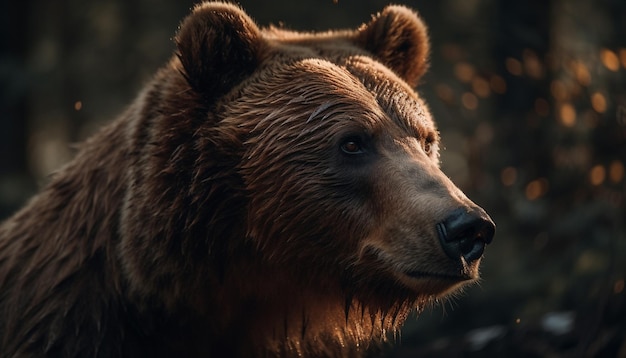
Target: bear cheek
x: 287, y: 220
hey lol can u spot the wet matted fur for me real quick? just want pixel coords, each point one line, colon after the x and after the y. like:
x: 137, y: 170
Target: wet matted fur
x: 267, y: 194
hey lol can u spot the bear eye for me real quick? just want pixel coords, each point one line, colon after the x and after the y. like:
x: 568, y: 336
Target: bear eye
x: 352, y: 146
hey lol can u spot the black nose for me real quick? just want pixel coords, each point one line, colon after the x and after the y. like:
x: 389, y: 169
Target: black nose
x: 465, y: 232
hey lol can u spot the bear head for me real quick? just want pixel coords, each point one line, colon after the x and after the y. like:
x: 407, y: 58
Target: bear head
x: 301, y: 168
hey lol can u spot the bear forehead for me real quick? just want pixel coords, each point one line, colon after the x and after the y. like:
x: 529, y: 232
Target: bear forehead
x: 364, y: 89
x: 397, y: 99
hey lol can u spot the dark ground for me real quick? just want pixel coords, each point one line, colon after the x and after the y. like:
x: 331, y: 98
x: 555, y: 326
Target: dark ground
x: 530, y: 97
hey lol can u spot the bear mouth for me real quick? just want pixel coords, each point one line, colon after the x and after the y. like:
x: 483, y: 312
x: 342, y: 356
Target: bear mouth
x: 464, y: 276
x: 438, y: 284
x: 454, y: 273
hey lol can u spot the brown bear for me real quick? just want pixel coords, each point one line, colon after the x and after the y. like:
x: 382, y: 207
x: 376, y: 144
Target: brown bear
x: 269, y: 193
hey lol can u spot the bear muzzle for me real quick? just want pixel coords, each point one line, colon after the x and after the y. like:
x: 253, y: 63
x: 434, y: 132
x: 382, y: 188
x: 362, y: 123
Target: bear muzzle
x: 465, y: 232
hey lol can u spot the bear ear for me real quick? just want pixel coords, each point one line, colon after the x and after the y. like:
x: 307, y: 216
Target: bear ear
x: 399, y: 39
x: 219, y: 45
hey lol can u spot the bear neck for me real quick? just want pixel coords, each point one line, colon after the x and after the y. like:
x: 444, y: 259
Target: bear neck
x: 320, y: 320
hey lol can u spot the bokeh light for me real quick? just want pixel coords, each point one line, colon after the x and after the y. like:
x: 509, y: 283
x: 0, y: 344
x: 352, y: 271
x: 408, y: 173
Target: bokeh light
x: 609, y: 59
x: 508, y: 176
x: 469, y: 100
x: 514, y: 66
x: 598, y: 102
x: 536, y: 189
x: 567, y: 115
x: 497, y: 84
x: 464, y: 72
x: 616, y: 171
x: 597, y: 174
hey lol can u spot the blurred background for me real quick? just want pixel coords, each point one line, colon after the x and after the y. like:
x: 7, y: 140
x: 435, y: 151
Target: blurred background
x: 530, y: 97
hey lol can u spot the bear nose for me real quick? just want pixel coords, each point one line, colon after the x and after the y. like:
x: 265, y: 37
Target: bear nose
x: 465, y: 232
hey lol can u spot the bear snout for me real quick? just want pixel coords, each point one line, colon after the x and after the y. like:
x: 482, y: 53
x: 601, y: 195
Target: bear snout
x: 465, y: 232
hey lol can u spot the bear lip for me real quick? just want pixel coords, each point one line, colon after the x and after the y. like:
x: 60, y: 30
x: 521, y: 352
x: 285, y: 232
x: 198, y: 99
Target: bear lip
x: 440, y: 276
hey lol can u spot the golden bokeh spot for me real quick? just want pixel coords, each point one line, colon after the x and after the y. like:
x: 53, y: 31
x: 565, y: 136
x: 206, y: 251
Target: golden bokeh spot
x: 598, y: 102
x: 567, y: 115
x: 532, y: 190
x: 497, y: 84
x: 469, y: 100
x: 618, y: 286
x: 480, y: 86
x: 508, y: 176
x: 558, y: 90
x: 78, y: 105
x: 513, y: 66
x: 622, y: 56
x: 464, y: 71
x: 597, y: 175
x: 532, y: 64
x: 616, y: 171
x: 445, y: 93
x: 581, y: 73
x: 542, y: 107
x: 536, y: 188
x: 609, y: 59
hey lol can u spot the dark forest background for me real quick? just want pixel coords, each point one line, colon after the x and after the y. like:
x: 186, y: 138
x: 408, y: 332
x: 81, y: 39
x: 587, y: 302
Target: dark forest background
x: 530, y: 98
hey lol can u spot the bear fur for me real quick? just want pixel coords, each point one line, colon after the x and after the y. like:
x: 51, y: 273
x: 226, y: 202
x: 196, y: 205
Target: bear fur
x: 265, y: 195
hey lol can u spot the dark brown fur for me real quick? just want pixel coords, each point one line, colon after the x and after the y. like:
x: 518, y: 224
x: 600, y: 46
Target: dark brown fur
x: 218, y: 216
